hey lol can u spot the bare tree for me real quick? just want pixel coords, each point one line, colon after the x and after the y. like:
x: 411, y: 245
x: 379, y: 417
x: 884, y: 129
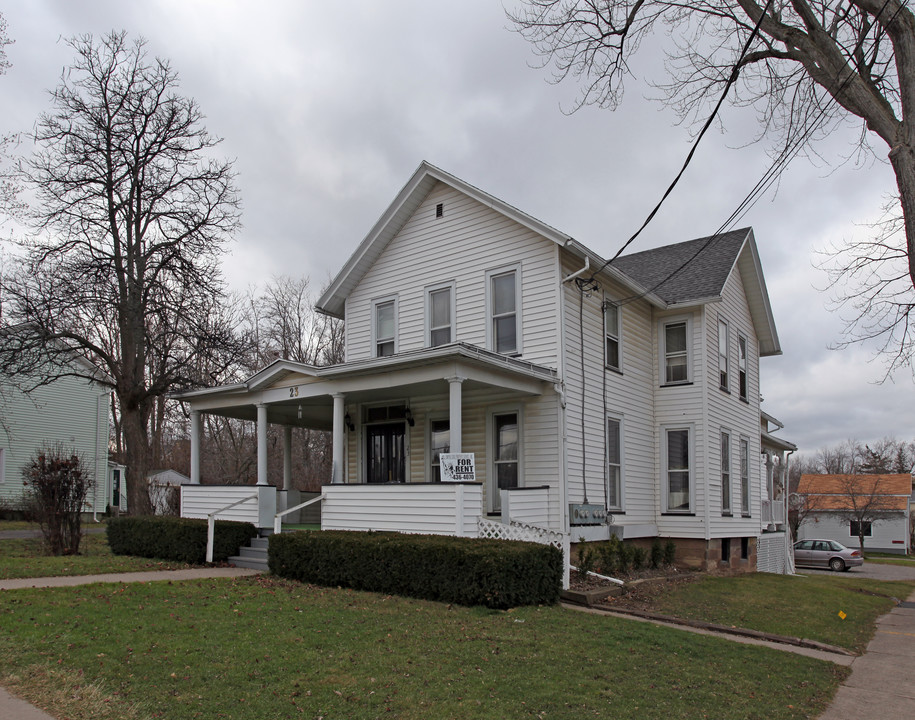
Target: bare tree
x: 862, y: 503
x: 133, y: 214
x: 9, y: 185
x: 810, y: 66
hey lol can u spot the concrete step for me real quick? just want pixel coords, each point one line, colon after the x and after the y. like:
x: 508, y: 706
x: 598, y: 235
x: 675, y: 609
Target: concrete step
x: 253, y: 555
x: 246, y: 562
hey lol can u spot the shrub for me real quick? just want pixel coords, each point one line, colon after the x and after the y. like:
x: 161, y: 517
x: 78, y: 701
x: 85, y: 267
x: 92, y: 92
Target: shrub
x: 587, y: 559
x: 670, y: 552
x: 610, y: 555
x: 656, y: 559
x: 638, y: 556
x: 466, y: 571
x: 172, y: 538
x: 57, y: 484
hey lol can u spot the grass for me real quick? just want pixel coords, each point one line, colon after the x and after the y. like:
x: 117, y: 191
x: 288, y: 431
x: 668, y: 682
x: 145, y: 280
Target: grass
x: 262, y: 647
x: 805, y: 607
x: 27, y: 559
x: 890, y: 559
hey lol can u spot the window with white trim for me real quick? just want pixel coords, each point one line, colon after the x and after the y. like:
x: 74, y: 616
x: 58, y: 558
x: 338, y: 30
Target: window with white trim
x: 723, y: 378
x: 855, y: 525
x: 744, y: 476
x: 384, y: 327
x: 677, y: 467
x: 439, y: 442
x: 440, y: 315
x: 614, y: 464
x: 675, y: 337
x: 725, y: 473
x: 506, y: 437
x: 503, y: 308
x: 742, y: 366
x: 612, y: 325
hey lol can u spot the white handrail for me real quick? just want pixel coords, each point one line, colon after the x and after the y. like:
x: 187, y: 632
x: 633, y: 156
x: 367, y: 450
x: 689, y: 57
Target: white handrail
x: 211, y: 523
x: 278, y: 523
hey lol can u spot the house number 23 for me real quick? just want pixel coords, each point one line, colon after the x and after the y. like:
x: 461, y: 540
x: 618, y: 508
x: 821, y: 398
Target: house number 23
x: 294, y: 391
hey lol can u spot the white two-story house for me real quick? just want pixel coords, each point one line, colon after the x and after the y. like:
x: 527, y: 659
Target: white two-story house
x: 594, y: 398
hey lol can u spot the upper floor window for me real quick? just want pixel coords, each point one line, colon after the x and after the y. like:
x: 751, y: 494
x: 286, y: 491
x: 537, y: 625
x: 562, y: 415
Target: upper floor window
x: 440, y: 315
x: 384, y: 327
x: 612, y: 335
x: 676, y: 352
x: 678, y: 469
x: 503, y: 305
x: 723, y: 354
x: 742, y: 366
x: 614, y: 463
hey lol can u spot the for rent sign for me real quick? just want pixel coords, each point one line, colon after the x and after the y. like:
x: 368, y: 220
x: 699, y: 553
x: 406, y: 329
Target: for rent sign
x: 457, y: 467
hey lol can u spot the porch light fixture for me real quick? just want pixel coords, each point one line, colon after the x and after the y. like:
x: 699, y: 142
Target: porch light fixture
x: 300, y: 412
x: 409, y: 416
x: 348, y: 421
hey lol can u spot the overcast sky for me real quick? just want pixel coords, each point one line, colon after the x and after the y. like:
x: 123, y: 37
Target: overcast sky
x: 328, y: 108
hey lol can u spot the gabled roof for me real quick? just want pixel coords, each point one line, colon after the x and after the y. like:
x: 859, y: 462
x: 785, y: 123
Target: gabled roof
x: 697, y: 269
x: 833, y: 492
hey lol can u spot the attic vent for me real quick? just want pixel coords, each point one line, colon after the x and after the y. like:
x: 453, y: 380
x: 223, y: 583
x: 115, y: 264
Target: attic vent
x: 440, y: 210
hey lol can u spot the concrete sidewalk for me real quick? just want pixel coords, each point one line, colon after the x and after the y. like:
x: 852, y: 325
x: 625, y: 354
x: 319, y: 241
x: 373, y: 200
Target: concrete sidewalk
x: 881, y: 681
x: 153, y: 576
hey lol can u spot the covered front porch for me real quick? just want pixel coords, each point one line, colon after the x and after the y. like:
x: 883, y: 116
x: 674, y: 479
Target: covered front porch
x: 390, y: 419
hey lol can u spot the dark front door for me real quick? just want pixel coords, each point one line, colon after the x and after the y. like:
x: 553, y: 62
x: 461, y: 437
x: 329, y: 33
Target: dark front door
x: 384, y: 453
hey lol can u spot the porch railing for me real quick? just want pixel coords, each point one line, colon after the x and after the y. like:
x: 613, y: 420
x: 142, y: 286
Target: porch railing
x: 773, y: 512
x: 211, y: 523
x: 278, y: 518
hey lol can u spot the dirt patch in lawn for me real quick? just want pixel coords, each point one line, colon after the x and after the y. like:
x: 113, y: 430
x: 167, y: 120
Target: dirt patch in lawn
x: 640, y: 590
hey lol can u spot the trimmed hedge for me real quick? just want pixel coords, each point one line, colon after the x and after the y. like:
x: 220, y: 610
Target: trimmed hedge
x: 466, y: 571
x: 173, y: 538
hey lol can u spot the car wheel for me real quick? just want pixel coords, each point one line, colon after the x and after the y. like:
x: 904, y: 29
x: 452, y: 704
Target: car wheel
x: 837, y: 564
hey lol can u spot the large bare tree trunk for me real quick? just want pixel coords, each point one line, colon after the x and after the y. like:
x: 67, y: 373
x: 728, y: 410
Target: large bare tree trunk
x: 902, y: 158
x: 136, y: 443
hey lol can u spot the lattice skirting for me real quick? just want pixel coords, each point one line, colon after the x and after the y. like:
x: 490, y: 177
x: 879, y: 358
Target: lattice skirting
x: 771, y: 553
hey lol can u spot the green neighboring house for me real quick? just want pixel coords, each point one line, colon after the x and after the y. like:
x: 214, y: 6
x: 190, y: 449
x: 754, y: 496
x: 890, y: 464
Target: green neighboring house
x: 72, y: 412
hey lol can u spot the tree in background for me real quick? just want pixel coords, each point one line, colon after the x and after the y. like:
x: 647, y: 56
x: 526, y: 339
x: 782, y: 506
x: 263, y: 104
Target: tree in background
x: 812, y: 66
x: 133, y: 214
x: 8, y: 184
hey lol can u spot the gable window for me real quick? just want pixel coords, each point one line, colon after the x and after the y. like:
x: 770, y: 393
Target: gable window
x: 505, y: 438
x: 854, y: 526
x: 744, y: 476
x: 504, y: 333
x: 439, y: 442
x: 676, y: 356
x: 723, y: 354
x: 677, y: 469
x: 384, y: 327
x: 614, y: 464
x: 440, y: 315
x: 612, y: 335
x: 725, y: 473
x: 742, y: 366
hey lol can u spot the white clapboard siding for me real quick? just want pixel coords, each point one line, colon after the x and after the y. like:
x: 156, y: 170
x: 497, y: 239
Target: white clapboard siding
x: 530, y: 506
x: 198, y: 501
x: 70, y: 412
x: 437, y: 509
x: 890, y: 534
x: 460, y: 247
x: 727, y: 412
x: 629, y: 398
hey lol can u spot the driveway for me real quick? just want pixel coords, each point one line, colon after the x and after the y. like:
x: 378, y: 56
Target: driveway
x: 872, y: 570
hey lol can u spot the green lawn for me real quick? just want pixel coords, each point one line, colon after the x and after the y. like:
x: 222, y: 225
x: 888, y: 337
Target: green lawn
x: 806, y: 607
x: 26, y: 559
x: 891, y: 559
x: 260, y: 647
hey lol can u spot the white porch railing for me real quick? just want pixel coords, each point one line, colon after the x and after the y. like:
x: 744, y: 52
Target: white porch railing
x: 434, y: 508
x: 278, y: 518
x: 530, y: 506
x: 211, y: 523
x: 773, y: 512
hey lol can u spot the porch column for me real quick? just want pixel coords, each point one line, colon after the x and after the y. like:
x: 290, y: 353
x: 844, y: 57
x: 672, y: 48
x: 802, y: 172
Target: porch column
x: 454, y: 412
x: 339, y: 411
x: 195, y: 447
x: 261, y: 444
x: 287, y: 457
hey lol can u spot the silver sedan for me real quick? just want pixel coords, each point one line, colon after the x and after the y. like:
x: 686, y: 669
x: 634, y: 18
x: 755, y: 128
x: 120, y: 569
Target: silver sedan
x: 826, y: 553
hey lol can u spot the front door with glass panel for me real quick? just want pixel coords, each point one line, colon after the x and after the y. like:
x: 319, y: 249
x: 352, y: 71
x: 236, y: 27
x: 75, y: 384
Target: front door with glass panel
x: 385, y: 453
x: 505, y: 457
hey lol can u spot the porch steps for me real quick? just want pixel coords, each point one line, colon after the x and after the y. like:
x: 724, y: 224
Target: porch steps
x: 253, y: 555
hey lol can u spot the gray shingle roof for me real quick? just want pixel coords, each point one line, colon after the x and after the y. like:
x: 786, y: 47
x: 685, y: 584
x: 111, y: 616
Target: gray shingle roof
x: 686, y: 271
